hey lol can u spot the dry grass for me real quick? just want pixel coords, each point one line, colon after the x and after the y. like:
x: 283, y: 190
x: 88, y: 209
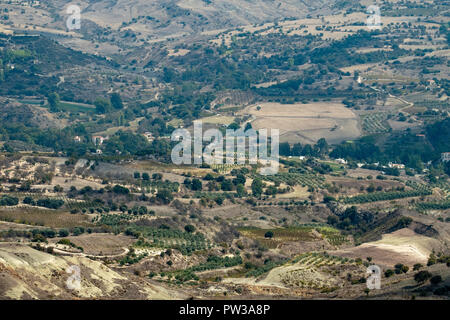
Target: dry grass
x: 402, y: 246
x: 44, y: 217
x: 280, y: 236
x: 101, y: 243
x: 306, y: 123
x: 218, y: 119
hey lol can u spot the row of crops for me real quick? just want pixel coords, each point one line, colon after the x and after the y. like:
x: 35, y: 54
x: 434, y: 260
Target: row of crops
x: 419, y: 190
x: 225, y: 168
x: 185, y: 242
x: 113, y: 219
x: 151, y: 185
x: 319, y: 259
x: 444, y: 186
x: 375, y: 123
x: 384, y: 196
x: 212, y: 263
x: 292, y: 179
x: 425, y: 206
x: 333, y: 236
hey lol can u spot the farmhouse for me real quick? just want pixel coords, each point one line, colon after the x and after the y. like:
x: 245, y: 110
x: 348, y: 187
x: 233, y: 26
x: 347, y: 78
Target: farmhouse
x: 396, y: 165
x: 148, y: 136
x: 98, y: 140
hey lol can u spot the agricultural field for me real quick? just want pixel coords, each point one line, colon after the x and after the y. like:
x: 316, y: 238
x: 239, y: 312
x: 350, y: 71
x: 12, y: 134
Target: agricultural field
x: 306, y: 123
x: 402, y: 246
x: 292, y: 179
x: 44, y: 217
x: 375, y: 123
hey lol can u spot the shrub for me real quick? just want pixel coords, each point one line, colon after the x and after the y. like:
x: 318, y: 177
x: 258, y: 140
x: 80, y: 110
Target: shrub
x: 268, y: 234
x: 417, y: 266
x: 422, y: 276
x: 50, y: 203
x: 28, y: 200
x: 8, y: 201
x: 436, y: 279
x: 63, y: 233
x: 120, y: 190
x: 388, y: 273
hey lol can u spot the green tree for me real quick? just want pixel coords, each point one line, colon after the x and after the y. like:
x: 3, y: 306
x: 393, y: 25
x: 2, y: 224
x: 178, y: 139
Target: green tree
x: 226, y: 185
x: 285, y: 149
x: 102, y: 106
x: 240, y: 190
x: 268, y: 234
x: 417, y: 266
x: 297, y: 150
x: 196, y: 185
x: 164, y: 196
x: 422, y: 276
x: 116, y: 101
x: 388, y: 273
x: 436, y: 279
x: 257, y: 187
x: 54, y: 102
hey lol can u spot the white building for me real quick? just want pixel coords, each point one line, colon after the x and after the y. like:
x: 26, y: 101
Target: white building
x: 341, y: 161
x: 148, y: 136
x: 98, y: 140
x: 396, y: 165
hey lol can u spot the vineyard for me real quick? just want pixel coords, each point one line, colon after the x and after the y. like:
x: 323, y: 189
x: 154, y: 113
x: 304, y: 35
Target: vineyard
x: 311, y: 270
x: 425, y: 206
x: 212, y: 263
x: 150, y: 186
x: 298, y: 233
x: 292, y: 179
x: 185, y: 242
x: 316, y: 259
x: 225, y: 168
x: 445, y: 187
x: 418, y: 191
x: 265, y: 268
x: 375, y: 123
x: 235, y: 97
x: 333, y: 236
x: 113, y: 219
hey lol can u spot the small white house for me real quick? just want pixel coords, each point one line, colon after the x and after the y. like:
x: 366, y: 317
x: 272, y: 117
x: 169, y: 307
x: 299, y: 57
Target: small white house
x: 341, y: 161
x: 148, y: 136
x: 396, y: 165
x: 98, y: 140
x: 77, y: 139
